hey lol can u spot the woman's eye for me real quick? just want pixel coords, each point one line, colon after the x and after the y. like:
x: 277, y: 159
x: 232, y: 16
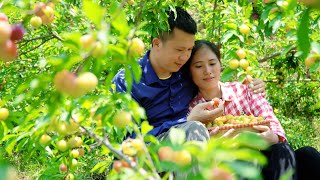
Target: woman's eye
x: 198, y: 66
x: 212, y: 64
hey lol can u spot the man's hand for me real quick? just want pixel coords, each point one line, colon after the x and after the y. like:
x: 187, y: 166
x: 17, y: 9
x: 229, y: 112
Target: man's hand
x: 267, y: 134
x: 258, y: 86
x: 201, y: 113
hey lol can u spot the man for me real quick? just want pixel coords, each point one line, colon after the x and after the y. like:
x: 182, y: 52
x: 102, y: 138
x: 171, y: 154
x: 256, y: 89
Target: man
x: 164, y: 90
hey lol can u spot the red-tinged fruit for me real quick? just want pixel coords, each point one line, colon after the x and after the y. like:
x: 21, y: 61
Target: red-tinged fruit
x: 247, y: 80
x: 65, y: 82
x: 8, y: 51
x: 63, y: 168
x: 117, y: 165
x: 3, y: 17
x: 215, y: 102
x: 5, y: 32
x: 221, y: 174
x: 165, y: 153
x: 38, y: 9
x: 17, y: 32
x: 4, y: 113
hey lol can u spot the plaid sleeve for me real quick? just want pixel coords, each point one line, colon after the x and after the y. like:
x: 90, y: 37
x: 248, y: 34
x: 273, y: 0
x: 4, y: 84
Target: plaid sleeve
x: 261, y: 107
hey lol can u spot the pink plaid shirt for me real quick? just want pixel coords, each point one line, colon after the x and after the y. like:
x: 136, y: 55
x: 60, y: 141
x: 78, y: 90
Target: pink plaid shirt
x: 240, y: 101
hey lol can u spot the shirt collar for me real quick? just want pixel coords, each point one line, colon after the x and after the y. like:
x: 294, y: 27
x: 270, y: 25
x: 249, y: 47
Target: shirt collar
x: 150, y: 75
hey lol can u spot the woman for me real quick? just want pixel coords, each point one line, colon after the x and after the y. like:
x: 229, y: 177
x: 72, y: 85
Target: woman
x: 205, y: 68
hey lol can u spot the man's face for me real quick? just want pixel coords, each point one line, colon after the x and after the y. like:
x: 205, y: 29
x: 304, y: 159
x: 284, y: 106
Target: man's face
x: 173, y: 53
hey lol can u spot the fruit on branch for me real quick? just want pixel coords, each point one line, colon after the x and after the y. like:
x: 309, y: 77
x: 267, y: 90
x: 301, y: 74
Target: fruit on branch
x: 247, y: 80
x: 17, y: 32
x: 99, y: 50
x: 244, y: 29
x: 74, y: 153
x: 5, y: 32
x: 137, y: 144
x: 136, y: 47
x: 241, y: 53
x: 65, y: 82
x: 182, y: 157
x: 165, y: 153
x: 244, y: 64
x: 36, y: 22
x: 234, y: 64
x: 8, y: 51
x: 4, y: 113
x: 128, y: 149
x: 62, y: 128
x: 74, y: 163
x: 249, y: 69
x: 38, y: 9
x: 75, y: 142
x: 81, y: 152
x: 221, y: 174
x: 45, y: 139
x: 70, y: 176
x: 3, y: 17
x: 63, y: 168
x: 62, y: 145
x: 122, y: 119
x: 310, y: 61
x: 85, y: 82
x: 87, y: 41
x: 268, y: 1
x: 117, y: 166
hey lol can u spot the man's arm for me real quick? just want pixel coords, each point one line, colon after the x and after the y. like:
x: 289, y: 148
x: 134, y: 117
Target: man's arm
x: 119, y: 82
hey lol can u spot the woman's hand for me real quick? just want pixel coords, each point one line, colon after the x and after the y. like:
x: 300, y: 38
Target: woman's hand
x: 215, y: 130
x: 267, y: 134
x: 201, y: 113
x: 258, y: 86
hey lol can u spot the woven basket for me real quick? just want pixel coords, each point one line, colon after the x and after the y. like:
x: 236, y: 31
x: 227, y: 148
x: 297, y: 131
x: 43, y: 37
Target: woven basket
x: 242, y: 127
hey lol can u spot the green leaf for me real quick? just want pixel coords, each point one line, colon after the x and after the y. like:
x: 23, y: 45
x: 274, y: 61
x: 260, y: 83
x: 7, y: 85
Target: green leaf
x: 119, y: 19
x: 10, y: 146
x: 227, y: 74
x: 145, y: 127
x: 129, y: 79
x: 303, y: 34
x: 252, y: 140
x: 227, y: 36
x: 94, y: 12
x: 177, y: 136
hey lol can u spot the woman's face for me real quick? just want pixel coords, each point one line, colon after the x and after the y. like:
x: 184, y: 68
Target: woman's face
x: 205, y: 69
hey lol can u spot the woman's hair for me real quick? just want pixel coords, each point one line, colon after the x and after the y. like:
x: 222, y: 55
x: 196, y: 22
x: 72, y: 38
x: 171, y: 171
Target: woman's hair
x: 200, y: 44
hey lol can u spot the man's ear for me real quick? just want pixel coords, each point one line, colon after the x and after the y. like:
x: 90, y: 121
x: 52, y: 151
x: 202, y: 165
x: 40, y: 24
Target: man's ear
x: 156, y: 42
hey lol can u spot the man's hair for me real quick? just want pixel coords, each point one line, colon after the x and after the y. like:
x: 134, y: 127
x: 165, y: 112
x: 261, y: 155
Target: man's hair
x: 180, y: 19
